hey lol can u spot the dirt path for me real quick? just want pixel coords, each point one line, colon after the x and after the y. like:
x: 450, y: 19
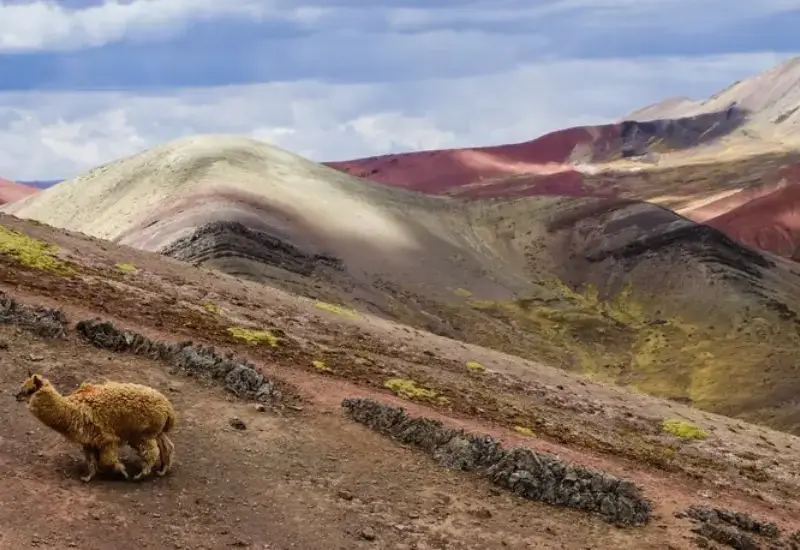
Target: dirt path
x: 306, y: 482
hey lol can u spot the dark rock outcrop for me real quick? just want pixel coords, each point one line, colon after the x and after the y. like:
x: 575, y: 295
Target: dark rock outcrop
x: 226, y: 239
x: 529, y: 474
x: 238, y: 375
x: 44, y: 321
x: 738, y: 530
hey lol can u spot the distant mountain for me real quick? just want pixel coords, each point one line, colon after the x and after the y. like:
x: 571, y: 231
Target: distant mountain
x: 40, y: 184
x: 701, y: 158
x: 11, y: 191
x: 771, y: 99
x: 608, y: 286
x: 765, y: 107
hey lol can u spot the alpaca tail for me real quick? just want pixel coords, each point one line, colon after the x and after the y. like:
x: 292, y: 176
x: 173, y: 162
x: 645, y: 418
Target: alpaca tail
x: 165, y: 446
x: 169, y: 424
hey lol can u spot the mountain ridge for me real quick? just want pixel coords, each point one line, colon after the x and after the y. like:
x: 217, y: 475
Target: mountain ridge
x: 584, y: 283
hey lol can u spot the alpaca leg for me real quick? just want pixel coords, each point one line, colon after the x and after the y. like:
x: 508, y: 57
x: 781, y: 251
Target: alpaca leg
x: 91, y: 456
x: 110, y: 459
x: 167, y: 451
x: 148, y: 452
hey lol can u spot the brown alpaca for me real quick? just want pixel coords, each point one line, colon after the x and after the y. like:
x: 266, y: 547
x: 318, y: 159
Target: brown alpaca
x: 101, y: 417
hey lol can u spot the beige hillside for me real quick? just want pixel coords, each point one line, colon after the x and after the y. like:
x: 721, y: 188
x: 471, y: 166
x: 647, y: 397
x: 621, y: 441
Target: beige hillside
x: 614, y: 290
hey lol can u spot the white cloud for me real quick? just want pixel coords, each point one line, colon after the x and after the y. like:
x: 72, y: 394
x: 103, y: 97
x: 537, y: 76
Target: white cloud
x: 46, y: 25
x: 597, y: 13
x: 394, y: 131
x: 47, y: 135
x: 49, y: 25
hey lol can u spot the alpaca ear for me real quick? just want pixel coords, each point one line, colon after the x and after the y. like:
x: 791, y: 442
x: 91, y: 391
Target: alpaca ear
x: 37, y: 381
x: 30, y: 373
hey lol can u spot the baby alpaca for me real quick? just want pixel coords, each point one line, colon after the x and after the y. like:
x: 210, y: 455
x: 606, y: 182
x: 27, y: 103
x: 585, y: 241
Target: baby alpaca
x: 101, y: 417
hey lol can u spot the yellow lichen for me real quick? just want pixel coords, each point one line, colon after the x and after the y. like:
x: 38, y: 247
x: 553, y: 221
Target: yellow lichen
x: 212, y: 308
x: 254, y: 337
x: 682, y: 429
x: 338, y: 310
x: 524, y: 431
x: 408, y: 389
x: 127, y: 268
x: 31, y: 252
x: 474, y: 366
x: 321, y: 366
x: 463, y: 292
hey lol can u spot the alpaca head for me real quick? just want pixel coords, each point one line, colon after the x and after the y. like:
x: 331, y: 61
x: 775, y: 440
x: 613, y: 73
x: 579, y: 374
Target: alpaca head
x: 32, y: 384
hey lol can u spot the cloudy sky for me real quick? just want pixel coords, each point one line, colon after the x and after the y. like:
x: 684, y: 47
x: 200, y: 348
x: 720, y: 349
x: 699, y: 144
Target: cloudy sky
x: 87, y: 81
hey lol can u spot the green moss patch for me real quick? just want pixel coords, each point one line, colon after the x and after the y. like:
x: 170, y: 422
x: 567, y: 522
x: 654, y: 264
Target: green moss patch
x: 32, y: 252
x: 212, y: 308
x: 408, y: 389
x: 321, y: 366
x: 338, y: 310
x: 255, y: 337
x: 682, y: 429
x: 127, y: 268
x: 474, y: 366
x: 524, y: 431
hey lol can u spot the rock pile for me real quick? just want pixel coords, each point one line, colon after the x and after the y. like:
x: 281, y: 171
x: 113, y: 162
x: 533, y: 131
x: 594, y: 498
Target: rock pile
x: 238, y: 375
x: 532, y: 475
x: 738, y: 530
x: 44, y: 321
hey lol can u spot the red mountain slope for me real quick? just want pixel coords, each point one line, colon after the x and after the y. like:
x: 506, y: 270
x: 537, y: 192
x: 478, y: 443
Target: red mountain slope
x: 11, y: 191
x: 437, y: 172
x: 770, y: 222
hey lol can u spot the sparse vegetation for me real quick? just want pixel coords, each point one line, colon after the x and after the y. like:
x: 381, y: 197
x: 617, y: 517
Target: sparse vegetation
x: 524, y: 431
x: 408, y: 389
x: 615, y: 339
x: 254, y: 337
x: 212, y: 308
x: 682, y: 429
x: 463, y: 292
x: 474, y: 366
x: 321, y: 366
x: 32, y: 252
x: 338, y: 310
x: 127, y: 268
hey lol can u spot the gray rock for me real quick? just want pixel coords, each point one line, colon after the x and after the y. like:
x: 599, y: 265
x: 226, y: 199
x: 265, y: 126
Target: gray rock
x: 745, y: 522
x: 367, y: 533
x: 239, y: 375
x: 237, y: 423
x: 43, y: 321
x: 457, y: 454
x: 532, y: 475
x: 243, y: 380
